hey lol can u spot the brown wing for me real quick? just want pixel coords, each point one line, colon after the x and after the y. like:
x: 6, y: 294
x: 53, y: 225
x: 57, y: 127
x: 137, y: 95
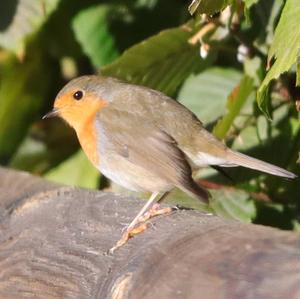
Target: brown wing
x: 146, y: 145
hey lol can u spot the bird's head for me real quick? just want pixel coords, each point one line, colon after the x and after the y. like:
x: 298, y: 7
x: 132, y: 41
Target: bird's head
x: 80, y: 99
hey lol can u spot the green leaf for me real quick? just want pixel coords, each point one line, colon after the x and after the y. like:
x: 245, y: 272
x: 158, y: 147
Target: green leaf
x: 29, y: 154
x: 75, y: 171
x: 56, y: 143
x: 234, y: 204
x: 259, y: 139
x: 249, y: 3
x: 253, y: 68
x: 296, y: 225
x: 19, y: 19
x: 178, y: 197
x: 206, y: 93
x: 298, y: 69
x: 235, y: 102
x: 91, y: 31
x: 208, y: 6
x: 264, y: 102
x: 284, y: 48
x: 227, y: 202
x: 21, y: 98
x: 162, y: 61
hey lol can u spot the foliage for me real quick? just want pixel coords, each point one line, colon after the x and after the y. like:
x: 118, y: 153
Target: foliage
x: 234, y: 63
x: 284, y: 47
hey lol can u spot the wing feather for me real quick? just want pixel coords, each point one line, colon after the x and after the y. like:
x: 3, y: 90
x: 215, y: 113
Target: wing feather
x: 148, y: 146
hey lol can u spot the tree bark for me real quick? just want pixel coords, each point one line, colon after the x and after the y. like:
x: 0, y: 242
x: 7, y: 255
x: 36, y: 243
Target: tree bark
x: 53, y: 243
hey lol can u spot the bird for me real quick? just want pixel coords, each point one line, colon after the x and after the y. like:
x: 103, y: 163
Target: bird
x: 144, y: 140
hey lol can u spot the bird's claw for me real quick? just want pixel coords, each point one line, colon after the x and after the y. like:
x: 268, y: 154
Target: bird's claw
x: 141, y: 225
x: 155, y: 211
x: 129, y: 233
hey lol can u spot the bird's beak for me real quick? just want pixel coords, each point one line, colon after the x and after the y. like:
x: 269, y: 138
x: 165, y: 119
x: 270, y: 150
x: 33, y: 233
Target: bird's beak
x: 52, y: 113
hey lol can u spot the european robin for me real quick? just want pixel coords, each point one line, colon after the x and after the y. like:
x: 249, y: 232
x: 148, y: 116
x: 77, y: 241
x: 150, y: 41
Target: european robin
x: 143, y: 140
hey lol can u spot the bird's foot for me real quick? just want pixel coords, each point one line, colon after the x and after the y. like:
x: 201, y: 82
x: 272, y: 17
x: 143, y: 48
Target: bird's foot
x: 155, y: 211
x: 141, y: 225
x: 129, y: 233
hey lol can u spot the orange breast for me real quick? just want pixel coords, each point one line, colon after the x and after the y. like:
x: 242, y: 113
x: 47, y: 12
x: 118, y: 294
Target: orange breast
x: 88, y: 140
x: 84, y: 123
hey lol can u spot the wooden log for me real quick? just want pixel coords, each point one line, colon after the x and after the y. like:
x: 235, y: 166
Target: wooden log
x: 53, y: 243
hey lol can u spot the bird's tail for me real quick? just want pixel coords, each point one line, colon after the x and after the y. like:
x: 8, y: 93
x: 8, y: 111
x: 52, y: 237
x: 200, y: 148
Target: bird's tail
x: 249, y: 162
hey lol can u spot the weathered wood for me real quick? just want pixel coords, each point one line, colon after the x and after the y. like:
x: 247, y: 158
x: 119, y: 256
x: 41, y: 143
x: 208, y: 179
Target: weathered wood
x: 53, y: 241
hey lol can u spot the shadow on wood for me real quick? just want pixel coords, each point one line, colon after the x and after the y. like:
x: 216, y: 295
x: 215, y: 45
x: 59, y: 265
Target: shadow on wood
x: 53, y: 240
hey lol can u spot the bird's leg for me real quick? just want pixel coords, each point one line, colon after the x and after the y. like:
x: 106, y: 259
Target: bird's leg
x: 140, y: 219
x: 155, y: 210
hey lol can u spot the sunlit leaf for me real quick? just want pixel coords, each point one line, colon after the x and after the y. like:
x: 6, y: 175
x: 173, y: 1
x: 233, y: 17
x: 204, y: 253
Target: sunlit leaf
x: 235, y: 102
x: 225, y: 202
x: 284, y: 48
x: 162, y: 61
x: 298, y: 68
x: 234, y: 204
x: 277, y: 143
x: 206, y: 93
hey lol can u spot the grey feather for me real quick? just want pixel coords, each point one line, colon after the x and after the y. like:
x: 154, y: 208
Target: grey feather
x: 149, y: 147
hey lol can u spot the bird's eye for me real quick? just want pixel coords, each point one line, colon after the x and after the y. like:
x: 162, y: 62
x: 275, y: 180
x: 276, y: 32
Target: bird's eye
x: 78, y: 95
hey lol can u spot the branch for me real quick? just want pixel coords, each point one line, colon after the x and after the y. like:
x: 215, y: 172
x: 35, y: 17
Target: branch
x: 53, y: 239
